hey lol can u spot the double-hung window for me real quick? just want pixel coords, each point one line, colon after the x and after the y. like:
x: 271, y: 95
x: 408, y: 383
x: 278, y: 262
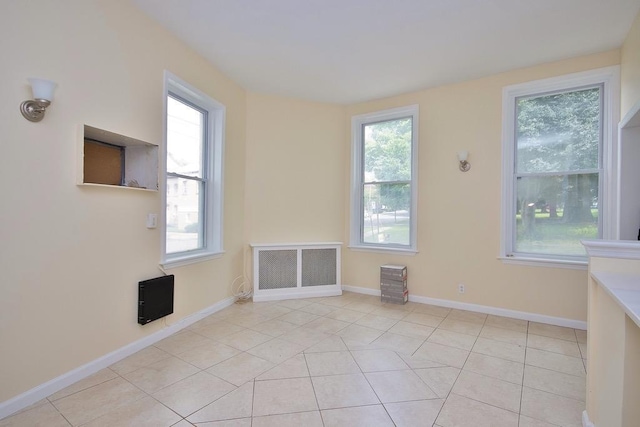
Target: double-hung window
x: 193, y: 174
x: 557, y: 165
x: 384, y: 180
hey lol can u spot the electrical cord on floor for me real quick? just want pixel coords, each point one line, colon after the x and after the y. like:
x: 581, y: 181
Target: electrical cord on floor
x: 243, y: 291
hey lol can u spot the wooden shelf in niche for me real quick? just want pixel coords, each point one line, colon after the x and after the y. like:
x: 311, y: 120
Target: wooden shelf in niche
x: 114, y: 160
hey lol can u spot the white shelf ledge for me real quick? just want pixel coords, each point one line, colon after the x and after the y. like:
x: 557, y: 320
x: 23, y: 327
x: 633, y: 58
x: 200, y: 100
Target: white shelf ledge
x: 623, y: 288
x: 623, y: 249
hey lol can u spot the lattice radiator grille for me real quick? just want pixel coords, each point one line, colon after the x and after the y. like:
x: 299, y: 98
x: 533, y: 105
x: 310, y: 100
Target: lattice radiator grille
x: 293, y: 271
x: 278, y: 269
x: 318, y: 267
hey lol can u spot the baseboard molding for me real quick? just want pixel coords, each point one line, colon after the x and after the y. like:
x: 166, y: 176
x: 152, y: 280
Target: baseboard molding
x: 497, y: 311
x: 358, y: 290
x: 585, y: 420
x: 283, y: 294
x: 37, y: 393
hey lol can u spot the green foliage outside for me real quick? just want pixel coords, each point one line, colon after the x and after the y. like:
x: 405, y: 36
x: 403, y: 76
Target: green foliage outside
x: 387, y: 168
x: 557, y: 140
x: 555, y: 236
x: 388, y: 158
x: 395, y: 230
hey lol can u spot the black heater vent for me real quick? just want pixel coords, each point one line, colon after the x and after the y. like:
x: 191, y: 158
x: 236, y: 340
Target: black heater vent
x: 155, y: 298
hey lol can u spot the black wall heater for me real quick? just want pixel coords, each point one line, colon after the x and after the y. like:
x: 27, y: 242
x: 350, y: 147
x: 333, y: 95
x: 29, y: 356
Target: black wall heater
x: 155, y: 298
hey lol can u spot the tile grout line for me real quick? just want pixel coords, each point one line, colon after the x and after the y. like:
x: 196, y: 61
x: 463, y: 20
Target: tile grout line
x: 372, y: 388
x: 313, y: 387
x: 524, y: 367
x: 459, y: 373
x: 253, y: 401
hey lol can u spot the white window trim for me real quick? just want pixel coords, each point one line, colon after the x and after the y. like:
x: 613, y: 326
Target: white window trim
x: 609, y: 77
x: 357, y: 148
x: 214, y: 198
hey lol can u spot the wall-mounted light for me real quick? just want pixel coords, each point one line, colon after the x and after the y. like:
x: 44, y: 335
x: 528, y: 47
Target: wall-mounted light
x: 464, y: 164
x: 33, y: 109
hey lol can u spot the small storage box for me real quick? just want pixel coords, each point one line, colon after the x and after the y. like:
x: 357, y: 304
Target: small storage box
x: 395, y: 298
x: 393, y: 272
x: 393, y: 284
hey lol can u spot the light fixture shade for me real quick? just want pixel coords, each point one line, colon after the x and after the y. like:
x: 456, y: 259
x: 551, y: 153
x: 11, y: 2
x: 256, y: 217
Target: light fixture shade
x: 42, y: 88
x: 462, y: 155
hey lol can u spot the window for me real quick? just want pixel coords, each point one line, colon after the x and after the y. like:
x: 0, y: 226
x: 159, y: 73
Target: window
x: 557, y: 166
x: 384, y: 178
x: 194, y: 143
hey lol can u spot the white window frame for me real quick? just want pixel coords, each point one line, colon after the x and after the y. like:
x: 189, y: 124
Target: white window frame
x: 214, y: 175
x: 357, y: 179
x: 609, y: 78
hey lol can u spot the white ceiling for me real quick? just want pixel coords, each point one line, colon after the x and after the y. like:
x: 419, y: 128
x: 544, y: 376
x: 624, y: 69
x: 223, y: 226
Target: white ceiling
x: 347, y: 51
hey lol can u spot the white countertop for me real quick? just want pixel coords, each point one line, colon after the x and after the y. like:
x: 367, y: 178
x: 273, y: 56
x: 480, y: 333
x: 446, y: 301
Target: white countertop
x: 624, y: 288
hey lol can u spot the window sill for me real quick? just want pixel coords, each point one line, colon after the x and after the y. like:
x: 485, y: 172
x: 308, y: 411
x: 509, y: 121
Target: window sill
x: 384, y: 250
x: 545, y: 262
x: 190, y: 259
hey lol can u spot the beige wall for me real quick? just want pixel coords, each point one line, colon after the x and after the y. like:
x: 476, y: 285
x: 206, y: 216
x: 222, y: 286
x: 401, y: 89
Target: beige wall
x: 459, y: 213
x: 296, y: 169
x: 630, y: 63
x: 71, y: 256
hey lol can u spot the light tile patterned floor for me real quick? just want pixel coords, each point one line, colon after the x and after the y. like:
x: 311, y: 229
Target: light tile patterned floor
x: 338, y: 361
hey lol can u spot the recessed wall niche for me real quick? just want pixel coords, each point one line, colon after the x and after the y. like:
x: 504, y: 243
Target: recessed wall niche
x: 629, y: 175
x: 110, y: 159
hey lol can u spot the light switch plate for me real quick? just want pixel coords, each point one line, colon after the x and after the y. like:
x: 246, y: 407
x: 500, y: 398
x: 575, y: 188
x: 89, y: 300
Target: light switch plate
x: 152, y: 220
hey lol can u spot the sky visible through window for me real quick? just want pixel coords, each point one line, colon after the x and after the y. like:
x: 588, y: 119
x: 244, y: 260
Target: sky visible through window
x: 184, y: 138
x: 185, y: 210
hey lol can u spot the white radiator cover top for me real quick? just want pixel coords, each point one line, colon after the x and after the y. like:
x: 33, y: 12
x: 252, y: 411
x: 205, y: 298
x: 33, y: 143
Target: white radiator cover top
x: 296, y: 270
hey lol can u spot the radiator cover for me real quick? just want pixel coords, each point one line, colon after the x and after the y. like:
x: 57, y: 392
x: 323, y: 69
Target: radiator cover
x: 298, y: 270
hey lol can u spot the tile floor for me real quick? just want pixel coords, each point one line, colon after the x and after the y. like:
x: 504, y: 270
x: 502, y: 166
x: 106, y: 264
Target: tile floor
x: 338, y: 361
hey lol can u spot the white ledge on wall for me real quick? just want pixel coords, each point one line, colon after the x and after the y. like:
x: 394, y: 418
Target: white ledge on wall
x: 624, y: 249
x: 303, y: 244
x: 544, y: 262
x: 125, y: 187
x: 384, y: 250
x: 190, y: 259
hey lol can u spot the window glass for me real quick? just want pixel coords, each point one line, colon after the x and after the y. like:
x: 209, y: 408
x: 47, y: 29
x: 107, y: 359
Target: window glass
x: 185, y: 138
x: 384, y: 146
x: 555, y: 212
x: 185, y: 146
x: 559, y: 132
x: 386, y: 214
x: 387, y: 150
x: 558, y: 140
x: 194, y: 175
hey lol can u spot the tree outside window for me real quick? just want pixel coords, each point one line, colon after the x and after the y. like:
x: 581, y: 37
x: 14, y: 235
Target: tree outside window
x: 557, y: 171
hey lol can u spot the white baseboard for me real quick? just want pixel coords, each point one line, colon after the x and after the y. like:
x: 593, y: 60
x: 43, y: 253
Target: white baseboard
x: 366, y: 291
x: 295, y: 293
x: 37, y: 393
x: 585, y: 420
x: 497, y: 311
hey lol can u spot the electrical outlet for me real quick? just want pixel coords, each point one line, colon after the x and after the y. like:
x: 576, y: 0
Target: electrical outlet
x: 460, y: 288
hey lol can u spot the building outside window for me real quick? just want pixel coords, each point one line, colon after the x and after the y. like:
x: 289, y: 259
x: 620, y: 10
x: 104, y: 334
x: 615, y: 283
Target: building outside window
x: 194, y: 139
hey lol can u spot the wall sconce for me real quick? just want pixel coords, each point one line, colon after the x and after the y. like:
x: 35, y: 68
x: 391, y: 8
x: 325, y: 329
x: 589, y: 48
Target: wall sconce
x: 464, y: 164
x: 33, y: 110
